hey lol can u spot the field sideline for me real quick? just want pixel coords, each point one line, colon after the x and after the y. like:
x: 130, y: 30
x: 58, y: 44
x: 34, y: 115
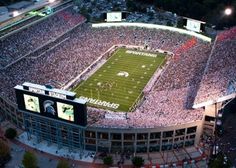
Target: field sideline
x: 119, y: 82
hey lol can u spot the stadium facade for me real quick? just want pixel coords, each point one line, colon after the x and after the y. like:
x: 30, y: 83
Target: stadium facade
x: 110, y: 140
x: 104, y: 139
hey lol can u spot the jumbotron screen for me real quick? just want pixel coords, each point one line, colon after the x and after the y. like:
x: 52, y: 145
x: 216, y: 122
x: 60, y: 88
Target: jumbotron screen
x: 193, y: 25
x: 31, y: 103
x: 114, y: 16
x: 65, y: 111
x: 52, y: 103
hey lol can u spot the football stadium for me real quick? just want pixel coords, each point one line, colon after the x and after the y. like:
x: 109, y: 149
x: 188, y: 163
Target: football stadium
x: 121, y: 80
x: 123, y: 87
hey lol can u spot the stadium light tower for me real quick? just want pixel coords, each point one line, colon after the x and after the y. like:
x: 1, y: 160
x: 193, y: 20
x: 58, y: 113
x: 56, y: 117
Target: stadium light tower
x: 15, y: 13
x: 228, y: 11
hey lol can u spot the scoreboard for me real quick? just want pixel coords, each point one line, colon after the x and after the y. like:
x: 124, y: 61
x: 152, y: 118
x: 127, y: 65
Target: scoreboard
x: 115, y: 16
x: 50, y: 102
x: 194, y: 25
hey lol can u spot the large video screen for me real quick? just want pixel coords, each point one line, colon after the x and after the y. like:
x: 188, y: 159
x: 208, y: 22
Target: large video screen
x: 31, y: 103
x: 55, y: 108
x: 193, y: 25
x: 114, y: 16
x: 65, y: 111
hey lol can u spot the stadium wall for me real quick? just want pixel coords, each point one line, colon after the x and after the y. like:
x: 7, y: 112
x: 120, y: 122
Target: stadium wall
x: 44, y: 45
x: 140, y: 140
x: 153, y: 26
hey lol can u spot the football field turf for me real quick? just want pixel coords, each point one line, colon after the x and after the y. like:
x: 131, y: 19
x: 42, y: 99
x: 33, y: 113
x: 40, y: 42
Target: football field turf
x: 118, y: 84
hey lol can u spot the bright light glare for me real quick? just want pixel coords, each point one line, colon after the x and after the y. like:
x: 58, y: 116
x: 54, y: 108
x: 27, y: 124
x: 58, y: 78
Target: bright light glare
x: 15, y: 13
x: 51, y: 1
x: 228, y: 11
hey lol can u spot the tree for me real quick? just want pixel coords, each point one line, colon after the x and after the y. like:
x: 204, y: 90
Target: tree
x: 138, y: 161
x: 10, y: 133
x: 4, y: 153
x: 116, y: 7
x: 85, y: 13
x: 131, y: 6
x: 108, y: 160
x: 29, y: 160
x: 63, y: 164
x: 78, y: 2
x: 169, y: 23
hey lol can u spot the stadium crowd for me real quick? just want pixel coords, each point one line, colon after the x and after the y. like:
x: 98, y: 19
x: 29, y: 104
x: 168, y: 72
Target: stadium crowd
x: 29, y: 39
x: 160, y: 108
x: 173, y: 94
x: 67, y: 59
x: 220, y: 70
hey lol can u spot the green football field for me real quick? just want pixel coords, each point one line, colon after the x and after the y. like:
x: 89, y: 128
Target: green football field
x: 118, y: 84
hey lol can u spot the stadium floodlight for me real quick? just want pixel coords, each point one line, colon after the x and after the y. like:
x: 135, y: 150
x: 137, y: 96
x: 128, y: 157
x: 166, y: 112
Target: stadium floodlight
x: 51, y: 1
x: 15, y: 13
x: 219, y: 122
x: 228, y: 11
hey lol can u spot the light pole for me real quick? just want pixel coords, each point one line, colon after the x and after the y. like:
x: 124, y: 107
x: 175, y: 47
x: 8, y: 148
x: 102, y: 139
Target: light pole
x: 218, y: 125
x: 223, y: 17
x: 228, y: 11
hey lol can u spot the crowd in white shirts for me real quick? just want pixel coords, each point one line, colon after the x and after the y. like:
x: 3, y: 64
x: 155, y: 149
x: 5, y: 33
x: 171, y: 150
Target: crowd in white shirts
x: 27, y: 40
x: 170, y: 100
x: 221, y: 69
